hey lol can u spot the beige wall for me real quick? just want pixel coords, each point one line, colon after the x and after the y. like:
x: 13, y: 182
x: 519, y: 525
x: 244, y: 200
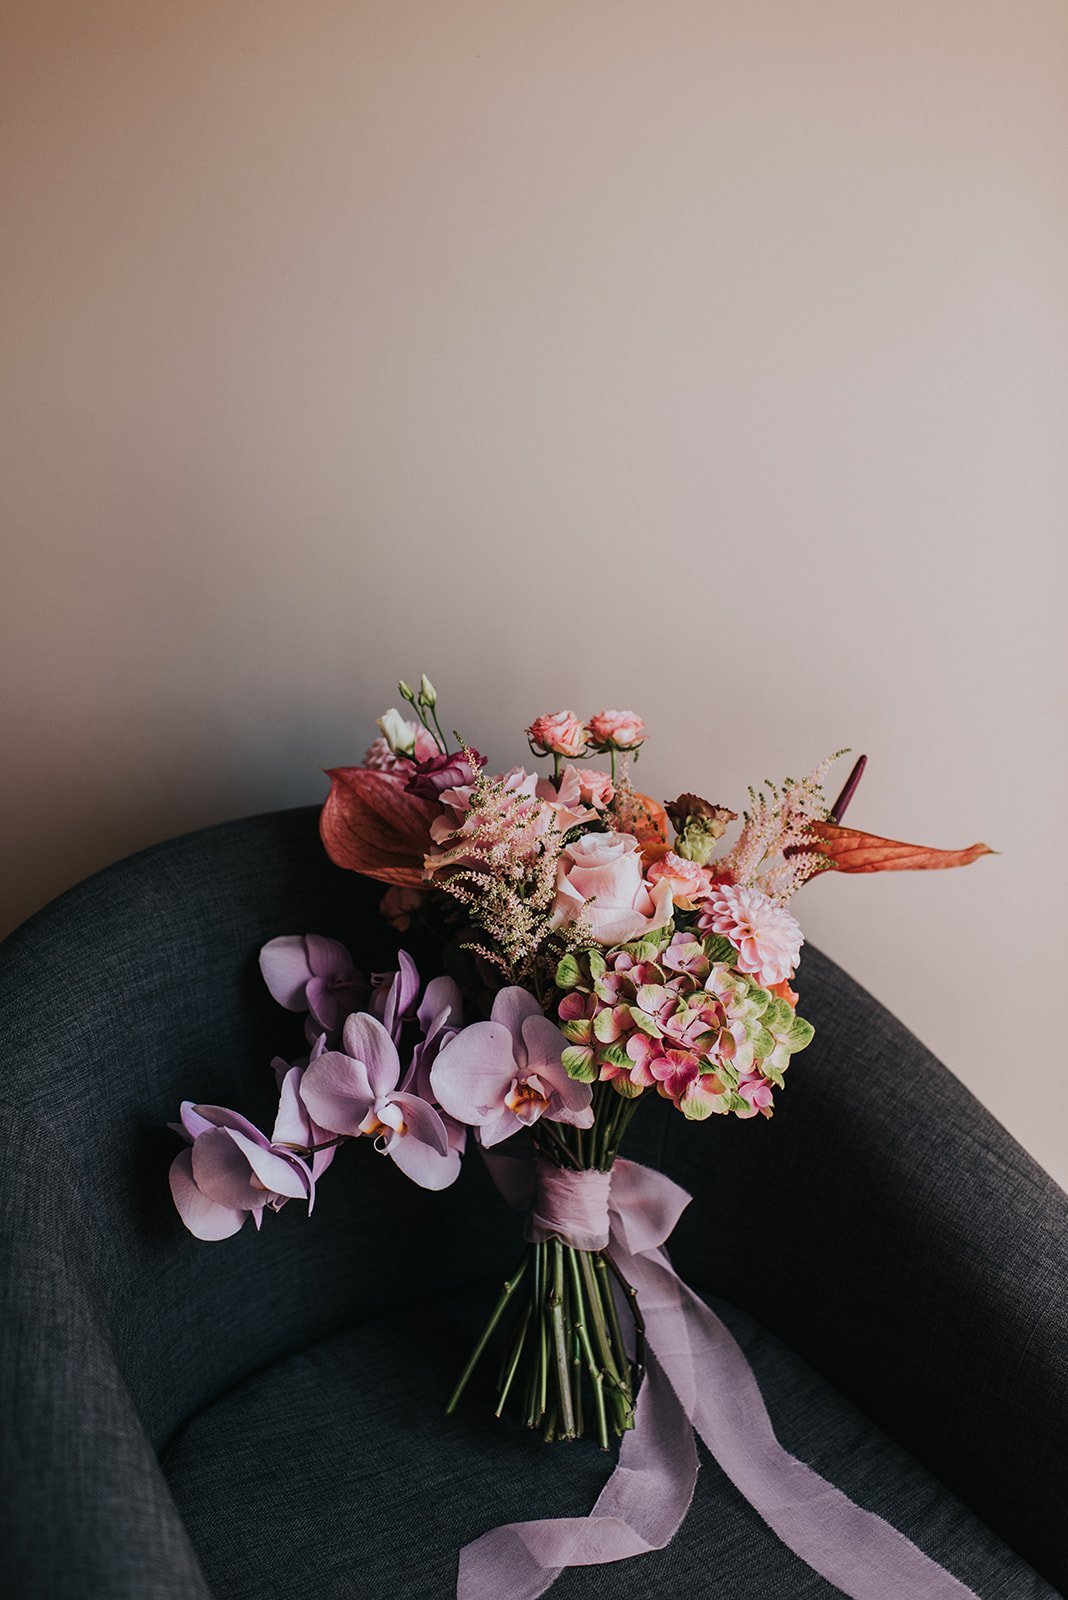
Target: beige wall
x: 710, y: 357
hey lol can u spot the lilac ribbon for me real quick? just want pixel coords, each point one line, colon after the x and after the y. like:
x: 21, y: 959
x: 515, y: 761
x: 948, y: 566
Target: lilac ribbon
x: 698, y: 1379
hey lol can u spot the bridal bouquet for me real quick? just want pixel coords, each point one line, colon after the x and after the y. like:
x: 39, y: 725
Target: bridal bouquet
x: 596, y: 948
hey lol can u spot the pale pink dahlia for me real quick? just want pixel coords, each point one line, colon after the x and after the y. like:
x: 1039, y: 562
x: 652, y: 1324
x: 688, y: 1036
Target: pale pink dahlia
x: 767, y: 938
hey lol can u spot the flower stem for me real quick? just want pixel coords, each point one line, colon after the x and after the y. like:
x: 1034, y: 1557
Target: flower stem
x: 506, y: 1294
x: 563, y: 1366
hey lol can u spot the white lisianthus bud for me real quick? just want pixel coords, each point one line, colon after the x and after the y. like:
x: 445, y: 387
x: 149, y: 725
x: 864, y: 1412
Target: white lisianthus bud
x: 427, y: 693
x: 406, y: 690
x: 398, y: 732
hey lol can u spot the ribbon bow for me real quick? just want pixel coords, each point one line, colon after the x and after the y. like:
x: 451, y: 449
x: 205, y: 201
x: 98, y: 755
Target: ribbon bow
x: 697, y: 1380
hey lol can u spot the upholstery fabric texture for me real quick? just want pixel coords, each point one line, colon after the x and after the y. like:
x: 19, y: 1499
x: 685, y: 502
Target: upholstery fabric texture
x: 901, y: 1265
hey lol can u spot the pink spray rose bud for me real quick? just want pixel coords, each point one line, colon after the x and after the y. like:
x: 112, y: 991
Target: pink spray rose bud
x: 600, y: 879
x: 616, y: 730
x: 558, y: 733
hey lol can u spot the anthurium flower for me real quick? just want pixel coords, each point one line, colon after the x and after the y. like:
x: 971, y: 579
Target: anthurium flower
x: 230, y: 1172
x: 306, y: 972
x: 354, y: 1091
x: 501, y: 1075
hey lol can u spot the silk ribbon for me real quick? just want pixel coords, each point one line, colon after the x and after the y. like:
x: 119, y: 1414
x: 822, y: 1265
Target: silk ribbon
x: 697, y: 1381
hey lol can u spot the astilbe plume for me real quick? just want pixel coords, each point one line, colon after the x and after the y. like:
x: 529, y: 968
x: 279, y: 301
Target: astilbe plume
x: 500, y: 864
x: 775, y: 850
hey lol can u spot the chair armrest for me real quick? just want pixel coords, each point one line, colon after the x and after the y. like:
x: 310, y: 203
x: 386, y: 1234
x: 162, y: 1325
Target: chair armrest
x: 889, y: 1229
x: 85, y: 1511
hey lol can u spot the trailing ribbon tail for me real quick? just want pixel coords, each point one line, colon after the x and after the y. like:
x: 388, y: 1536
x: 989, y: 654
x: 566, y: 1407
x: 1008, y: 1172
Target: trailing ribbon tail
x: 698, y: 1378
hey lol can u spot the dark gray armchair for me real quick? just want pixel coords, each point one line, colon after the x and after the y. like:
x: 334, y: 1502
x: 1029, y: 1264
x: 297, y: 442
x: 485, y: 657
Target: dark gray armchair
x: 262, y: 1417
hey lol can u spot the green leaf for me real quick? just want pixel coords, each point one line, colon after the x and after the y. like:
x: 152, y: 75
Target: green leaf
x: 799, y: 1034
x: 578, y: 1062
x: 719, y: 950
x: 569, y: 972
x: 605, y: 1027
x: 763, y: 1044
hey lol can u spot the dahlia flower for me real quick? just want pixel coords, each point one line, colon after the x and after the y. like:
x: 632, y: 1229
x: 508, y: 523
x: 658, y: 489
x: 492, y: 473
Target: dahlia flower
x: 767, y: 938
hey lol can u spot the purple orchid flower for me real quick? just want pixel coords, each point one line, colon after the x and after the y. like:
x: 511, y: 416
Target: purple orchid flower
x: 230, y: 1172
x: 394, y: 995
x: 293, y: 1125
x: 355, y: 1091
x: 306, y: 972
x: 500, y: 1076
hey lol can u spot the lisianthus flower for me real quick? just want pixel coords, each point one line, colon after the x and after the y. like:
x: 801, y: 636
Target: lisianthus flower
x: 499, y: 1076
x: 565, y: 800
x: 599, y: 878
x: 595, y: 788
x: 768, y: 939
x: 306, y: 972
x: 380, y: 758
x: 231, y: 1172
x: 688, y: 880
x: 616, y: 730
x: 439, y: 772
x: 558, y: 733
x: 354, y: 1091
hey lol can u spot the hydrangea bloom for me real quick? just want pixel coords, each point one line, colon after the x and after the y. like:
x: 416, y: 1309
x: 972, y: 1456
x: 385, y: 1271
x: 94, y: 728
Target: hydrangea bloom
x: 679, y: 1019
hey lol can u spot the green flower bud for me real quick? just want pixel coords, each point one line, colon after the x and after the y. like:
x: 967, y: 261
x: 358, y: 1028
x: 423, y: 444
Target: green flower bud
x: 427, y: 693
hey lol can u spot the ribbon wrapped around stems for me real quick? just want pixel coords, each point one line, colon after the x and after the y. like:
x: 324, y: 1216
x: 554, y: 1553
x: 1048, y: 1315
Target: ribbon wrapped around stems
x: 697, y: 1380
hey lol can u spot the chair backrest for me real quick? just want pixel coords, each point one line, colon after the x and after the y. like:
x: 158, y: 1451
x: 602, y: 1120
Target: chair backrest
x: 136, y: 990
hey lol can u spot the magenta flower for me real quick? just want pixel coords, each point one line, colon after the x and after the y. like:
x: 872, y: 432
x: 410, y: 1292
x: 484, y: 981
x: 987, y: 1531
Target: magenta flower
x: 453, y: 770
x: 355, y: 1092
x: 500, y: 1076
x: 230, y: 1172
x: 306, y: 972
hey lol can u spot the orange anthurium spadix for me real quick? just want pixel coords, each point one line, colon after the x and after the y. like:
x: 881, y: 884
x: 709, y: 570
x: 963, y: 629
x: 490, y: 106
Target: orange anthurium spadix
x: 371, y: 824
x: 847, y: 850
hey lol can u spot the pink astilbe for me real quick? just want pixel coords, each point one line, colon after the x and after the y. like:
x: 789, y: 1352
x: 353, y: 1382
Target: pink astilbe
x: 775, y: 850
x: 500, y: 863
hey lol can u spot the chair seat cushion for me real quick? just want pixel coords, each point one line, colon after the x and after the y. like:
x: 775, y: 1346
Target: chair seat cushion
x: 335, y: 1473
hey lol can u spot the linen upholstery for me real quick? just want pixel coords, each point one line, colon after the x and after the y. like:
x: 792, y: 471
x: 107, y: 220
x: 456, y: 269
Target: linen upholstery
x: 883, y: 1225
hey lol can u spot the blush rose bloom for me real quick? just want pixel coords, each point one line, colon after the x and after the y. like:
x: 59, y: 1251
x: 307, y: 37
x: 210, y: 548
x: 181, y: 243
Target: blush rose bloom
x: 623, y: 730
x: 606, y: 869
x: 689, y: 882
x: 558, y: 733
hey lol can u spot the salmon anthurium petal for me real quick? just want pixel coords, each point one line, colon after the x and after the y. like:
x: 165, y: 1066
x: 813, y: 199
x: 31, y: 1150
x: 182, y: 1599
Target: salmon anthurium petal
x: 371, y: 824
x: 847, y: 850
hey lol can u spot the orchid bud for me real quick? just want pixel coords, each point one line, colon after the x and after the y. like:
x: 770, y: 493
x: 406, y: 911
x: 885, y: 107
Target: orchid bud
x: 398, y: 733
x: 407, y: 691
x: 427, y: 693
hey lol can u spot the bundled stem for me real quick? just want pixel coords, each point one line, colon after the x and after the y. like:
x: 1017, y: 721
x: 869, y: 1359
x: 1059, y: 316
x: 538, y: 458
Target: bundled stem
x: 566, y: 1354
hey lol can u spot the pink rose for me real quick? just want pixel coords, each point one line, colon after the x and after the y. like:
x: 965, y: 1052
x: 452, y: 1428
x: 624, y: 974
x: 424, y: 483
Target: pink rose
x: 558, y: 733
x: 689, y: 882
x: 606, y: 869
x: 620, y: 730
